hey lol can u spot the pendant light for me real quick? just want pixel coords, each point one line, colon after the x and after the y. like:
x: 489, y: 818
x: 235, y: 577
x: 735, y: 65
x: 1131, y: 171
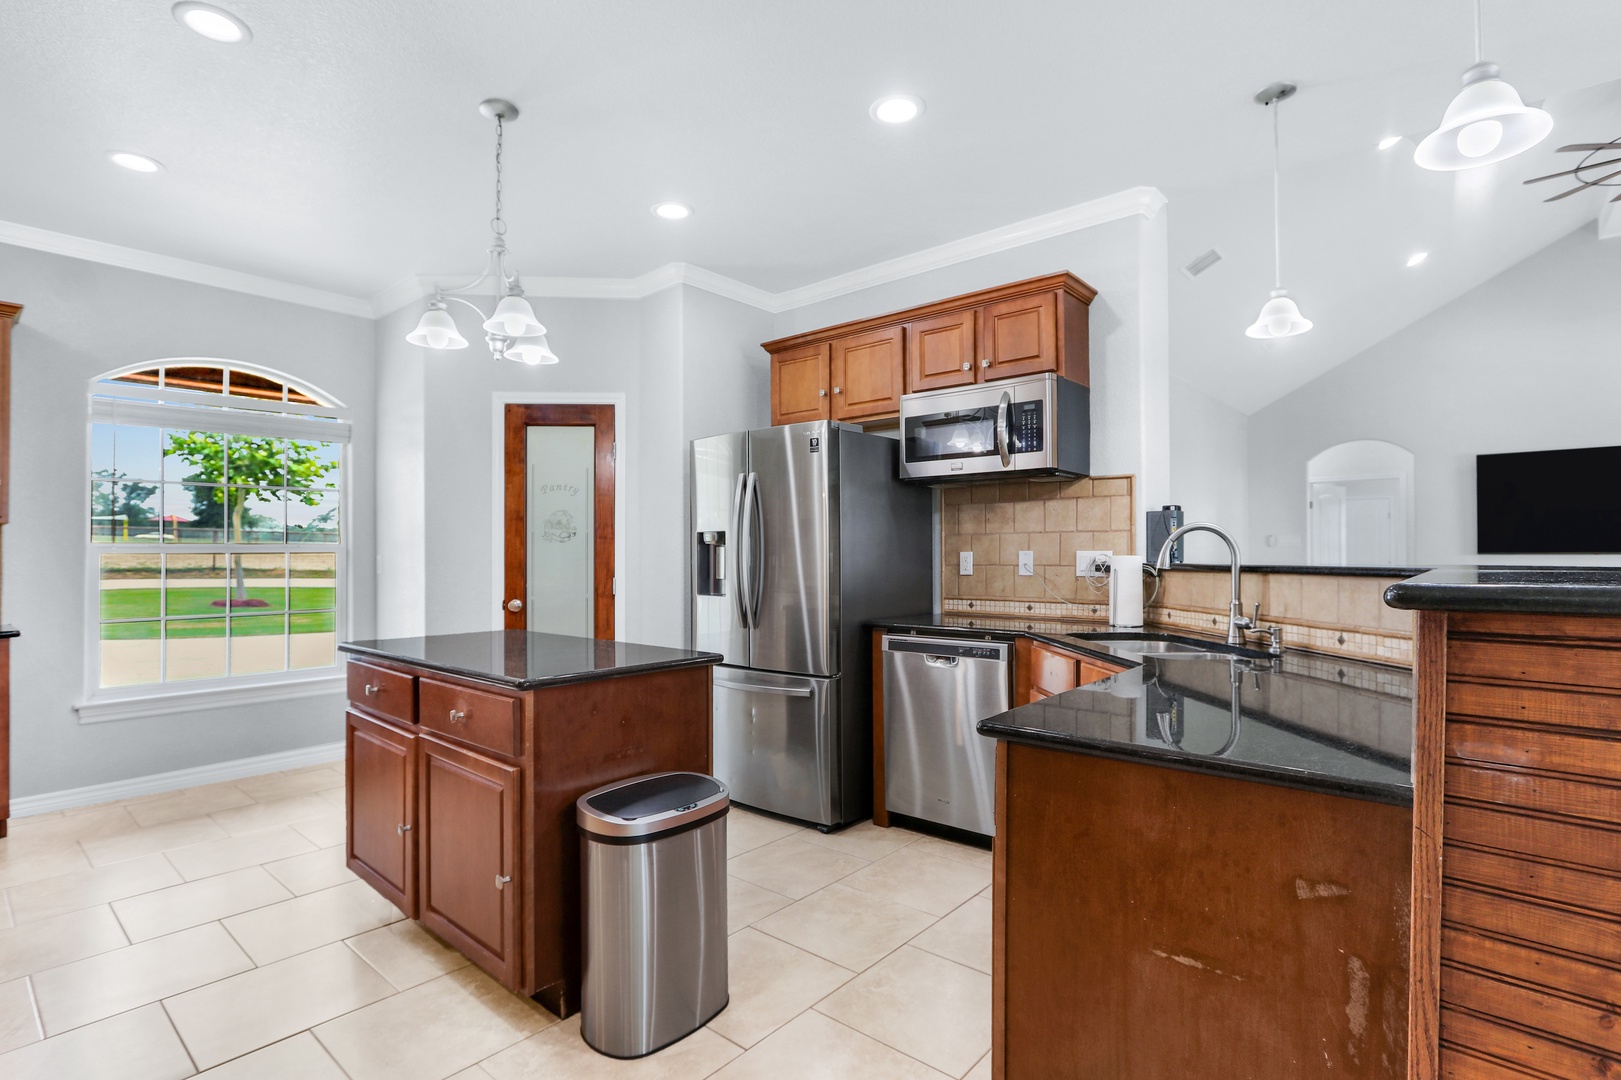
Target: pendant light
x: 1486, y: 123
x: 1280, y: 316
x: 511, y: 330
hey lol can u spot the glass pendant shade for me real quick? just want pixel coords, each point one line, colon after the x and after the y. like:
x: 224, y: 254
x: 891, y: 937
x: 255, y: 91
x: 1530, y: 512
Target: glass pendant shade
x: 436, y: 330
x: 514, y: 318
x: 532, y: 352
x: 1280, y: 318
x: 1486, y: 123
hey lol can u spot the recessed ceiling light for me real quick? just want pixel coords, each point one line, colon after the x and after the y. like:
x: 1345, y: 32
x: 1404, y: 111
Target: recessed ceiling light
x: 215, y: 24
x: 133, y: 162
x: 672, y: 211
x: 1417, y: 257
x: 896, y: 109
x: 1388, y: 141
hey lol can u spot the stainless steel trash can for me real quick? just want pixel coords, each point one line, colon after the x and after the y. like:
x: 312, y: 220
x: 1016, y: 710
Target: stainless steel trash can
x: 654, y: 853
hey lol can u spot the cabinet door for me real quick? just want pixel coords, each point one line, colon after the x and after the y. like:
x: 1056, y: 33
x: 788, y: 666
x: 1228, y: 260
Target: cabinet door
x: 799, y: 384
x: 1051, y: 670
x: 469, y: 884
x: 942, y: 351
x: 380, y: 768
x: 868, y: 374
x: 1018, y: 336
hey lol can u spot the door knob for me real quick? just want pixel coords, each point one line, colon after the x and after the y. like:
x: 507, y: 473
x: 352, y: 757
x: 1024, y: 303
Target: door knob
x: 514, y: 605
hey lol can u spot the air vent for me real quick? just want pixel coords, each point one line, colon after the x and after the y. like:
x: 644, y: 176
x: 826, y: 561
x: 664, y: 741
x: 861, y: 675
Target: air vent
x: 1202, y: 263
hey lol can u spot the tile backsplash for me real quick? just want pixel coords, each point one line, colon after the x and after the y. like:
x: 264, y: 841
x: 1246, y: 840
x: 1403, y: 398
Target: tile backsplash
x: 1051, y: 518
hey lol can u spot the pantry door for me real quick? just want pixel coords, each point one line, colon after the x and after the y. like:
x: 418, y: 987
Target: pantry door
x: 559, y: 514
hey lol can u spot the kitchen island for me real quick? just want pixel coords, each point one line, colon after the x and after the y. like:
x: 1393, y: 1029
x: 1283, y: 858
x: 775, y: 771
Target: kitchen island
x: 464, y: 756
x: 1202, y: 868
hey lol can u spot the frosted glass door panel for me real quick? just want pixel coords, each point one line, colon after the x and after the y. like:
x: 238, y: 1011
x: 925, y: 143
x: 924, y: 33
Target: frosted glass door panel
x: 562, y: 530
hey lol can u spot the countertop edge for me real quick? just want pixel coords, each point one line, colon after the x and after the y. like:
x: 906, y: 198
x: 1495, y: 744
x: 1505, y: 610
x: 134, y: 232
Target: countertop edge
x: 491, y: 679
x: 1539, y: 594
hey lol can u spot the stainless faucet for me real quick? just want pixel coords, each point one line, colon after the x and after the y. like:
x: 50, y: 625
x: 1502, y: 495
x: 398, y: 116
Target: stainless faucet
x: 1237, y: 622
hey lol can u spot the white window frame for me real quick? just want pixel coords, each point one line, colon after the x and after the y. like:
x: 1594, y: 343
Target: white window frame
x: 147, y: 406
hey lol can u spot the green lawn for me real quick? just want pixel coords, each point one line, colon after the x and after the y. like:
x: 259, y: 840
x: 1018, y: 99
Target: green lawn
x: 308, y: 622
x: 145, y: 603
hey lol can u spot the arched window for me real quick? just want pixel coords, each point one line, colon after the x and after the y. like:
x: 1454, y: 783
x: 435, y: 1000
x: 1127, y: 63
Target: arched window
x: 215, y: 525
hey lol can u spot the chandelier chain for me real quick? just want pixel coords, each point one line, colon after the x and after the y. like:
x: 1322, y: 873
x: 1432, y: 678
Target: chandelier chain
x: 498, y: 226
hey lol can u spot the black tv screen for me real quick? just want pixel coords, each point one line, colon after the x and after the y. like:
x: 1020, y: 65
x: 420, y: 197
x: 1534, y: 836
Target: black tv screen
x: 1550, y: 502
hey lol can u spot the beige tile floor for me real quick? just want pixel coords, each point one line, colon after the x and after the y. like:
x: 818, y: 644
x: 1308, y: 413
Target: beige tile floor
x: 216, y: 930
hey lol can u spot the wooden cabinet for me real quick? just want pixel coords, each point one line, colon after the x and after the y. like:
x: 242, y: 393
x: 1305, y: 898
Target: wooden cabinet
x: 381, y: 784
x: 469, y: 854
x: 1041, y: 670
x: 799, y: 384
x: 942, y: 351
x: 858, y: 370
x: 867, y: 374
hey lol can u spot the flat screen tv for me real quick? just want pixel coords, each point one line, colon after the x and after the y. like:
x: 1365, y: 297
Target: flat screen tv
x: 1549, y: 502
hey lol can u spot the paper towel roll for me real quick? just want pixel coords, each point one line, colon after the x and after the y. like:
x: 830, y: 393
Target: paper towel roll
x: 1126, y: 590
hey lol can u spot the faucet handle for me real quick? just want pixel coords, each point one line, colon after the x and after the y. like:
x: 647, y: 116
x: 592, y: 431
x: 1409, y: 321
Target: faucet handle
x: 1255, y: 619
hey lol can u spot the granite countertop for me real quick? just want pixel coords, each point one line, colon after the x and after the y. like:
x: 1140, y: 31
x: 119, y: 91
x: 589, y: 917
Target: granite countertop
x: 1530, y: 590
x: 1307, y: 721
x: 1326, y: 571
x: 520, y: 660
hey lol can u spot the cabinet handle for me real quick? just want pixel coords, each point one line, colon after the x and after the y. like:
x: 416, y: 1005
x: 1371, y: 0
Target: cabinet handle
x: 457, y: 717
x: 402, y: 829
x: 967, y: 366
x: 821, y: 393
x: 501, y: 881
x: 985, y: 363
x: 370, y: 689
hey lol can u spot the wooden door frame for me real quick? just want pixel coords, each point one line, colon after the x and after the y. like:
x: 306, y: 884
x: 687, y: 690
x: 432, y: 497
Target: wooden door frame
x: 623, y: 433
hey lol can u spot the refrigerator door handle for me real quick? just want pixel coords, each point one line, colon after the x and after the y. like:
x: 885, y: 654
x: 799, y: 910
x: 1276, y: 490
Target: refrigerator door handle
x: 740, y: 585
x: 756, y: 688
x: 757, y: 557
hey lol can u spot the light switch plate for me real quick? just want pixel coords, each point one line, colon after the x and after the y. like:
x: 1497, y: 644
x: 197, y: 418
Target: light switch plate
x: 1092, y: 562
x: 1027, y: 564
x: 965, y: 563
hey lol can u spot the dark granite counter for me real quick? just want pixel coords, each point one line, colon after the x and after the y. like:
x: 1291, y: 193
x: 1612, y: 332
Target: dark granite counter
x: 520, y: 660
x: 1529, y: 590
x: 1306, y: 721
x: 1327, y: 571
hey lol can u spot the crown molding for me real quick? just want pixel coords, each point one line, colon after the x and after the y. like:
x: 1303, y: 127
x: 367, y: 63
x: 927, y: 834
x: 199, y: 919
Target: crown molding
x: 147, y: 262
x: 1141, y: 201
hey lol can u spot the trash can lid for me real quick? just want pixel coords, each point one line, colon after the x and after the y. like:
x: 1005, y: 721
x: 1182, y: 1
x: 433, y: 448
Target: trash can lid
x: 648, y: 806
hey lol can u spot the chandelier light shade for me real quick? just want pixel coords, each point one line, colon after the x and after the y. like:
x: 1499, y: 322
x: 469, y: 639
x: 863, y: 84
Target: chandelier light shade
x: 1280, y: 316
x: 436, y: 329
x: 511, y: 331
x: 1486, y: 123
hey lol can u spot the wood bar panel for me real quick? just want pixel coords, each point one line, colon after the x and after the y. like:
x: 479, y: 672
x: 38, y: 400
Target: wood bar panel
x: 1564, y: 708
x: 1537, y: 837
x: 1538, y: 1055
x: 1514, y: 788
x: 1501, y: 744
x: 1531, y: 966
x: 1538, y: 1010
x: 1527, y: 662
x: 1561, y: 885
x: 1553, y: 928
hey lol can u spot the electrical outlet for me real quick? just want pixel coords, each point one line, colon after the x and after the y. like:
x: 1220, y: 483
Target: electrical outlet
x: 965, y: 563
x: 1027, y: 564
x: 1092, y: 562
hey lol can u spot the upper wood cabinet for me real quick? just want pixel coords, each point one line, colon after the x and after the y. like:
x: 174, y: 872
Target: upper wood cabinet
x: 859, y: 370
x: 868, y: 374
x: 799, y: 384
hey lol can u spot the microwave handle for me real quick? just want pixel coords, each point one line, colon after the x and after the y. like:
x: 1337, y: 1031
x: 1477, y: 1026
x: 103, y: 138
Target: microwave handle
x: 1003, y: 409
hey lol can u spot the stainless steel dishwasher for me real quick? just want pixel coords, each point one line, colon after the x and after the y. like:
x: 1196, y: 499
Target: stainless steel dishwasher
x: 936, y: 765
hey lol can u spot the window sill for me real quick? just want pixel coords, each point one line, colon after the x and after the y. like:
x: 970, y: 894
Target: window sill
x: 147, y: 703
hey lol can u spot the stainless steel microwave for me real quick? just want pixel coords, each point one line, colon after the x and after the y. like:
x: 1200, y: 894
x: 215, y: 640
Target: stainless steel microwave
x: 1040, y: 425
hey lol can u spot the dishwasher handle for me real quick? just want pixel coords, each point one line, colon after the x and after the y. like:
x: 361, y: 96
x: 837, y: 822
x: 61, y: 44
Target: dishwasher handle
x: 939, y: 661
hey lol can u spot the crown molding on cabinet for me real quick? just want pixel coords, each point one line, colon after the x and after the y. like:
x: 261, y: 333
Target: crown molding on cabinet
x: 148, y: 262
x: 1138, y: 201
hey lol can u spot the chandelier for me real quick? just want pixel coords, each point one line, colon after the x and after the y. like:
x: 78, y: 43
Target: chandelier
x: 511, y: 330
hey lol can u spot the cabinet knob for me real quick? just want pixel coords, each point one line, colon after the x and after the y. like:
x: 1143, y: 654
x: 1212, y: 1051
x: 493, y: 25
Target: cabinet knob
x: 966, y: 366
x: 370, y: 689
x: 514, y: 605
x: 402, y: 829
x: 985, y: 363
x: 457, y: 716
x: 838, y: 389
x: 821, y: 393
x: 501, y: 881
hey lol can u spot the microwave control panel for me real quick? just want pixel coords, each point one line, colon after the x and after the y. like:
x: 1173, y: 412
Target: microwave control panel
x: 1025, y: 427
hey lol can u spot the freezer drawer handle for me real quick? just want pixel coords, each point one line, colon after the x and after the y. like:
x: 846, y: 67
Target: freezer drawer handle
x: 751, y: 688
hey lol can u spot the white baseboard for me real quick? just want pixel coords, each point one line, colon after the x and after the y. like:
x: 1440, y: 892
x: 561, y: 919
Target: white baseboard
x: 196, y: 776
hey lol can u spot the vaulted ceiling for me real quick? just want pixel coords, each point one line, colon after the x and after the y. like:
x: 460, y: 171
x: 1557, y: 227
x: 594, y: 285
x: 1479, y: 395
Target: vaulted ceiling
x: 342, y: 149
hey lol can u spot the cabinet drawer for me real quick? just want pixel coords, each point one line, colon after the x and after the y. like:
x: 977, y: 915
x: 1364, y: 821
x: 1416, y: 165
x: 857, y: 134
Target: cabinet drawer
x: 1051, y: 670
x: 383, y: 691
x: 1091, y: 672
x: 473, y: 716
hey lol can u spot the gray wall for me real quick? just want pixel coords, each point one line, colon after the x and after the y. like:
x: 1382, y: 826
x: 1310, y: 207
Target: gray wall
x: 1526, y: 361
x: 79, y: 320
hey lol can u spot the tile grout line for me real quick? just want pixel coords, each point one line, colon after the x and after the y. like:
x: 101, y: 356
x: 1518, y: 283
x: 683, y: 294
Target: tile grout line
x: 177, y: 1036
x: 877, y: 1040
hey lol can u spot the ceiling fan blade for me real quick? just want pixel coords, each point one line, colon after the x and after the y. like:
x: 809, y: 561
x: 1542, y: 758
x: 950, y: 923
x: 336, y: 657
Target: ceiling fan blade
x: 1573, y: 147
x: 1573, y: 172
x: 1584, y: 187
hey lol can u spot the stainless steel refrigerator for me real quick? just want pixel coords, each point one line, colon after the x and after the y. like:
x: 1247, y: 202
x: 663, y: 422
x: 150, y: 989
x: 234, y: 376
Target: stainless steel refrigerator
x: 801, y: 533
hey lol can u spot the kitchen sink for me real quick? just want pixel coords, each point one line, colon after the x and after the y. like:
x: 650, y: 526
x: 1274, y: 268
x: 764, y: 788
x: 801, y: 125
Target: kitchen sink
x: 1168, y: 645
